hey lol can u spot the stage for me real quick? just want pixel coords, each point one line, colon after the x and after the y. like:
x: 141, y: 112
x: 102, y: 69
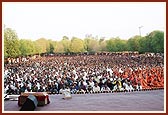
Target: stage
x: 152, y: 100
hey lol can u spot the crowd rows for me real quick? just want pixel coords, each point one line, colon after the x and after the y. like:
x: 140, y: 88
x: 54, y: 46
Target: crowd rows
x: 85, y: 73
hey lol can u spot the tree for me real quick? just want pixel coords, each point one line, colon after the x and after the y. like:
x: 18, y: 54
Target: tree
x: 102, y: 44
x: 94, y: 45
x: 77, y: 45
x: 91, y: 44
x: 111, y: 46
x: 154, y: 42
x: 143, y: 45
x: 51, y: 48
x: 59, y: 48
x: 37, y: 47
x: 11, y: 43
x: 66, y: 43
x: 27, y: 47
x: 13, y: 47
x: 157, y: 41
x: 120, y: 44
x: 133, y: 43
x: 86, y: 42
x: 116, y: 45
x: 42, y: 44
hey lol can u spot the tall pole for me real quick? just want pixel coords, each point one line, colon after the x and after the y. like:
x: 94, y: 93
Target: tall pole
x: 140, y: 30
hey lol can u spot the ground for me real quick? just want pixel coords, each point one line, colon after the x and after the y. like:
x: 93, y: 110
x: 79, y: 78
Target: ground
x: 152, y: 100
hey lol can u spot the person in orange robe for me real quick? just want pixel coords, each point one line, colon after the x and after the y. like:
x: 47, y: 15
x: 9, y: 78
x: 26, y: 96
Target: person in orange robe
x: 148, y: 79
x: 160, y: 80
x: 156, y: 83
x: 143, y: 82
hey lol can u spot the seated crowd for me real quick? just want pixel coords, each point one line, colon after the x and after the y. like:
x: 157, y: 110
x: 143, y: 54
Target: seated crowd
x: 85, y: 73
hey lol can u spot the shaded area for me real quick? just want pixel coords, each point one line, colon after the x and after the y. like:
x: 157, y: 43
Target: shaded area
x: 124, y: 101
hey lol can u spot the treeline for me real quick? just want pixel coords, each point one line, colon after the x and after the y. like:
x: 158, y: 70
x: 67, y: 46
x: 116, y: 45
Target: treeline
x: 14, y: 47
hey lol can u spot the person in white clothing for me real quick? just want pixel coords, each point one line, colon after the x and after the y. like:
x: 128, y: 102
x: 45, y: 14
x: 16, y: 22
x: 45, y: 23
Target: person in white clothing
x: 66, y: 92
x: 105, y: 88
x: 96, y: 88
x: 128, y: 86
x: 138, y: 86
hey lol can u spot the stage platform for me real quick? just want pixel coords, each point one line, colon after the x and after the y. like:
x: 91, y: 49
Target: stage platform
x: 152, y: 100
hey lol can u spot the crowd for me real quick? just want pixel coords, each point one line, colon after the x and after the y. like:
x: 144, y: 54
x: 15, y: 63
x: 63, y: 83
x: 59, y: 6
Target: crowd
x: 85, y: 73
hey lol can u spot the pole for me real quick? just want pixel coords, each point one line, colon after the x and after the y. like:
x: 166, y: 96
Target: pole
x: 140, y: 30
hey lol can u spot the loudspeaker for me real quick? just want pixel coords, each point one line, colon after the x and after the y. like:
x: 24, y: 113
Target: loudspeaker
x: 30, y: 104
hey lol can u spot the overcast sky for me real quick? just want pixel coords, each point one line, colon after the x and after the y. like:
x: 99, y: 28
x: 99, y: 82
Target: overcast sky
x: 55, y: 20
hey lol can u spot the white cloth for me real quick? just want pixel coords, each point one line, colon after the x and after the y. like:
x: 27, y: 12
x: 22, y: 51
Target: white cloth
x: 66, y: 93
x: 105, y: 89
x: 96, y: 88
x: 139, y: 87
x: 128, y: 87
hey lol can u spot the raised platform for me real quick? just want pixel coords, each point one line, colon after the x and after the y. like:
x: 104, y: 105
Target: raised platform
x: 151, y: 100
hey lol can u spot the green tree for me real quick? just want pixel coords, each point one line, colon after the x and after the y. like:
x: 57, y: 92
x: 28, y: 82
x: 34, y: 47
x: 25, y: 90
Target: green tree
x: 11, y: 43
x: 42, y: 44
x: 86, y: 42
x: 102, y: 44
x: 120, y: 44
x: 91, y: 44
x: 38, y: 49
x: 77, y: 45
x: 111, y: 46
x: 66, y: 43
x: 116, y: 45
x: 94, y: 45
x: 154, y: 42
x: 157, y: 41
x: 143, y: 45
x: 133, y: 43
x: 51, y: 48
x: 59, y: 47
x: 27, y: 47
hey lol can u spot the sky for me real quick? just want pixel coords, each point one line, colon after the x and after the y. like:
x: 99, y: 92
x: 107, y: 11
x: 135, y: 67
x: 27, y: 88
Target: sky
x: 54, y: 20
